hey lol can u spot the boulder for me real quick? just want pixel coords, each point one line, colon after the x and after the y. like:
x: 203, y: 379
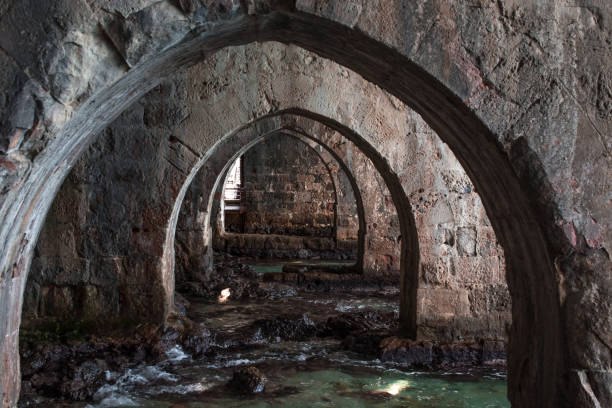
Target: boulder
x: 248, y: 380
x: 287, y: 327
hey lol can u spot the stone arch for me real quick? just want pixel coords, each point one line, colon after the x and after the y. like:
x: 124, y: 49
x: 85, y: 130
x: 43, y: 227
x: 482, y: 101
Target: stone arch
x: 538, y: 366
x: 338, y: 169
x: 368, y: 261
x: 218, y: 164
x: 329, y: 163
x: 292, y: 120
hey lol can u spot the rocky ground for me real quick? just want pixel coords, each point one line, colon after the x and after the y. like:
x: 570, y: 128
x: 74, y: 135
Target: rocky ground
x: 63, y: 363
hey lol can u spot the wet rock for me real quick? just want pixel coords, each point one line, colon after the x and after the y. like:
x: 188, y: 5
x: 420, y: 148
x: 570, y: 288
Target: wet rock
x: 46, y: 383
x: 248, y: 380
x: 423, y: 354
x: 197, y: 340
x: 169, y: 336
x: 88, y: 378
x: 75, y: 370
x: 366, y: 343
x: 407, y: 352
x: 343, y: 324
x: 193, y: 338
x: 287, y: 327
x: 242, y: 289
x: 181, y: 304
x: 240, y: 279
x: 460, y: 354
x: 275, y: 290
x: 493, y: 352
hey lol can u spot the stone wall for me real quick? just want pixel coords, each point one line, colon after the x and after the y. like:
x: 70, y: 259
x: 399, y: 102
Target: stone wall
x: 462, y: 276
x: 382, y: 228
x: 289, y: 190
x: 99, y: 253
x: 519, y: 90
x: 195, y: 232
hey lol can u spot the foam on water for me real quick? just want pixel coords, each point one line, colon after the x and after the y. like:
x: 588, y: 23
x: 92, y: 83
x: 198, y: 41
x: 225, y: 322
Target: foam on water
x: 176, y: 354
x: 115, y: 401
x: 178, y: 389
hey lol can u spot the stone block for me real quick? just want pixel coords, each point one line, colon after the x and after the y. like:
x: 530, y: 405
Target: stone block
x: 443, y: 303
x: 435, y: 273
x: 57, y: 301
x: 466, y: 241
x: 487, y: 242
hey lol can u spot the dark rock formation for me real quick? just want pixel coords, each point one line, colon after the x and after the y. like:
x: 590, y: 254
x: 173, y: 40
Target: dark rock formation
x: 427, y: 354
x: 286, y: 327
x: 345, y: 324
x: 58, y: 365
x: 248, y: 380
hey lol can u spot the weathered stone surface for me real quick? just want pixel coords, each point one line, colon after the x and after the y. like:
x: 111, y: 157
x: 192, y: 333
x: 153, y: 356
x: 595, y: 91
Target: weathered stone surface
x: 193, y: 231
x: 147, y: 31
x: 280, y: 246
x: 159, y: 115
x: 436, y: 355
x: 515, y: 116
x: 295, y: 328
x: 58, y: 362
x: 288, y: 190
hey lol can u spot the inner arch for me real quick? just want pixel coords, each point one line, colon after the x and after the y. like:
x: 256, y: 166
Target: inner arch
x: 293, y: 120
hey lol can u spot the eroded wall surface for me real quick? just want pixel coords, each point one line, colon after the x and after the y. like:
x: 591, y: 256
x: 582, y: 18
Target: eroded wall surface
x: 99, y: 253
x: 533, y: 73
x: 289, y: 190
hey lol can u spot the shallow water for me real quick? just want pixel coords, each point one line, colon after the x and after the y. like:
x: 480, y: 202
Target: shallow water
x: 303, y: 374
x: 317, y: 373
x: 264, y: 266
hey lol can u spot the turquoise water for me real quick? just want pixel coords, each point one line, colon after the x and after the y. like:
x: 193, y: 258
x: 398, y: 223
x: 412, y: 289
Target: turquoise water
x: 277, y: 266
x: 304, y: 374
x: 314, y: 373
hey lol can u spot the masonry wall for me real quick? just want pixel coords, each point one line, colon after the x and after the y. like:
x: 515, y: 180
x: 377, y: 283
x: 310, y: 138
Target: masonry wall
x: 99, y: 252
x: 462, y: 282
x: 289, y: 190
x: 382, y: 239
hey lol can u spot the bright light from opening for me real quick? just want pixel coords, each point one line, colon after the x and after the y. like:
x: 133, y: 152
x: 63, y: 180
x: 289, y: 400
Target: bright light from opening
x: 233, y: 182
x: 225, y: 294
x: 397, y: 387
